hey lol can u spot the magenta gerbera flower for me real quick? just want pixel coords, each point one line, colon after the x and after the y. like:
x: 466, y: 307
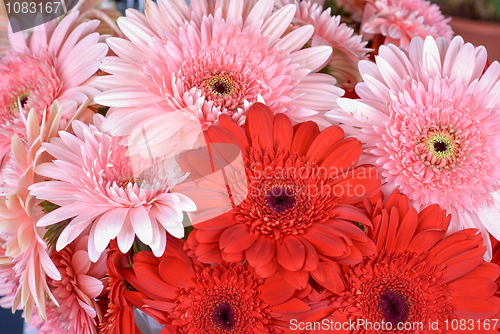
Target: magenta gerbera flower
x: 430, y: 121
x: 53, y: 62
x: 96, y: 184
x: 401, y: 20
x: 193, y: 63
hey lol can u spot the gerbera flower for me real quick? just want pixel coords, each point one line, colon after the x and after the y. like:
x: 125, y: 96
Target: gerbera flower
x: 119, y: 316
x: 95, y: 183
x: 27, y: 252
x: 430, y: 122
x: 418, y: 277
x: 48, y: 66
x: 401, y: 20
x: 348, y: 48
x: 222, y: 57
x: 79, y: 287
x: 297, y: 217
x: 26, y: 260
x: 192, y: 298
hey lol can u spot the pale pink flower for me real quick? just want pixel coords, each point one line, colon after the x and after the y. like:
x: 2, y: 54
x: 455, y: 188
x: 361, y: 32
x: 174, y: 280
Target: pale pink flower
x: 27, y: 252
x: 79, y: 287
x: 185, y: 65
x: 26, y: 259
x: 348, y: 47
x: 401, y: 20
x: 98, y: 185
x: 53, y: 62
x: 430, y: 120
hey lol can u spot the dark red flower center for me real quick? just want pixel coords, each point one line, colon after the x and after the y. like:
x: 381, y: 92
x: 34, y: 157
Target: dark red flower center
x: 395, y: 288
x: 280, y: 199
x: 440, y: 146
x: 225, y: 301
x: 224, y: 317
x: 394, y: 307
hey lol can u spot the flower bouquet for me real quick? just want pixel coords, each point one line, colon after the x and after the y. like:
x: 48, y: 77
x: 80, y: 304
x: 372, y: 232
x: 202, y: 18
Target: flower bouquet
x: 256, y: 166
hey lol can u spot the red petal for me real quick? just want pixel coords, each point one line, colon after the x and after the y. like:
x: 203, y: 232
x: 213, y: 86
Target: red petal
x: 261, y: 252
x: 226, y: 122
x: 208, y: 253
x: 268, y: 269
x: 304, y: 137
x: 399, y: 201
x: 275, y: 290
x: 328, y: 275
x: 236, y: 239
x: 291, y: 253
x: 478, y: 287
x: 473, y: 308
x: 357, y: 184
x: 345, y: 155
x: 297, y: 279
x: 178, y: 273
x: 233, y: 257
x: 294, y: 305
x: 207, y: 236
x: 322, y: 145
x: 283, y: 132
x: 425, y: 240
x: 325, y: 243
x: 350, y: 212
x: 406, y: 230
x: 311, y: 262
x: 259, y: 125
x: 433, y: 217
x: 151, y: 282
x: 217, y: 223
x: 484, y: 270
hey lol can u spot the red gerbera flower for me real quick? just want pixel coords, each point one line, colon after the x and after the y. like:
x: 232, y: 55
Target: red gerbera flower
x: 119, y: 317
x: 418, y: 280
x: 191, y: 298
x: 297, y: 217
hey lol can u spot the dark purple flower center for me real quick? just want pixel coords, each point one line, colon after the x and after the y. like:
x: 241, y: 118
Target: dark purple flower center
x: 221, y: 85
x: 440, y: 146
x: 224, y: 317
x: 280, y: 199
x: 393, y: 306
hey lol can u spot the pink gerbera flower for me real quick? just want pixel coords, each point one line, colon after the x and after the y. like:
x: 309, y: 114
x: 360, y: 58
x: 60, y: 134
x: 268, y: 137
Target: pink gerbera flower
x: 430, y: 121
x: 54, y: 62
x: 95, y: 183
x: 26, y: 260
x: 221, y: 58
x: 79, y: 287
x: 401, y: 20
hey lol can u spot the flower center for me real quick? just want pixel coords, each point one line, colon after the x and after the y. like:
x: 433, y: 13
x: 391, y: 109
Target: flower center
x: 280, y: 199
x: 393, y: 306
x: 226, y: 300
x: 441, y: 145
x: 224, y: 317
x: 21, y: 98
x: 221, y: 85
x: 288, y: 197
